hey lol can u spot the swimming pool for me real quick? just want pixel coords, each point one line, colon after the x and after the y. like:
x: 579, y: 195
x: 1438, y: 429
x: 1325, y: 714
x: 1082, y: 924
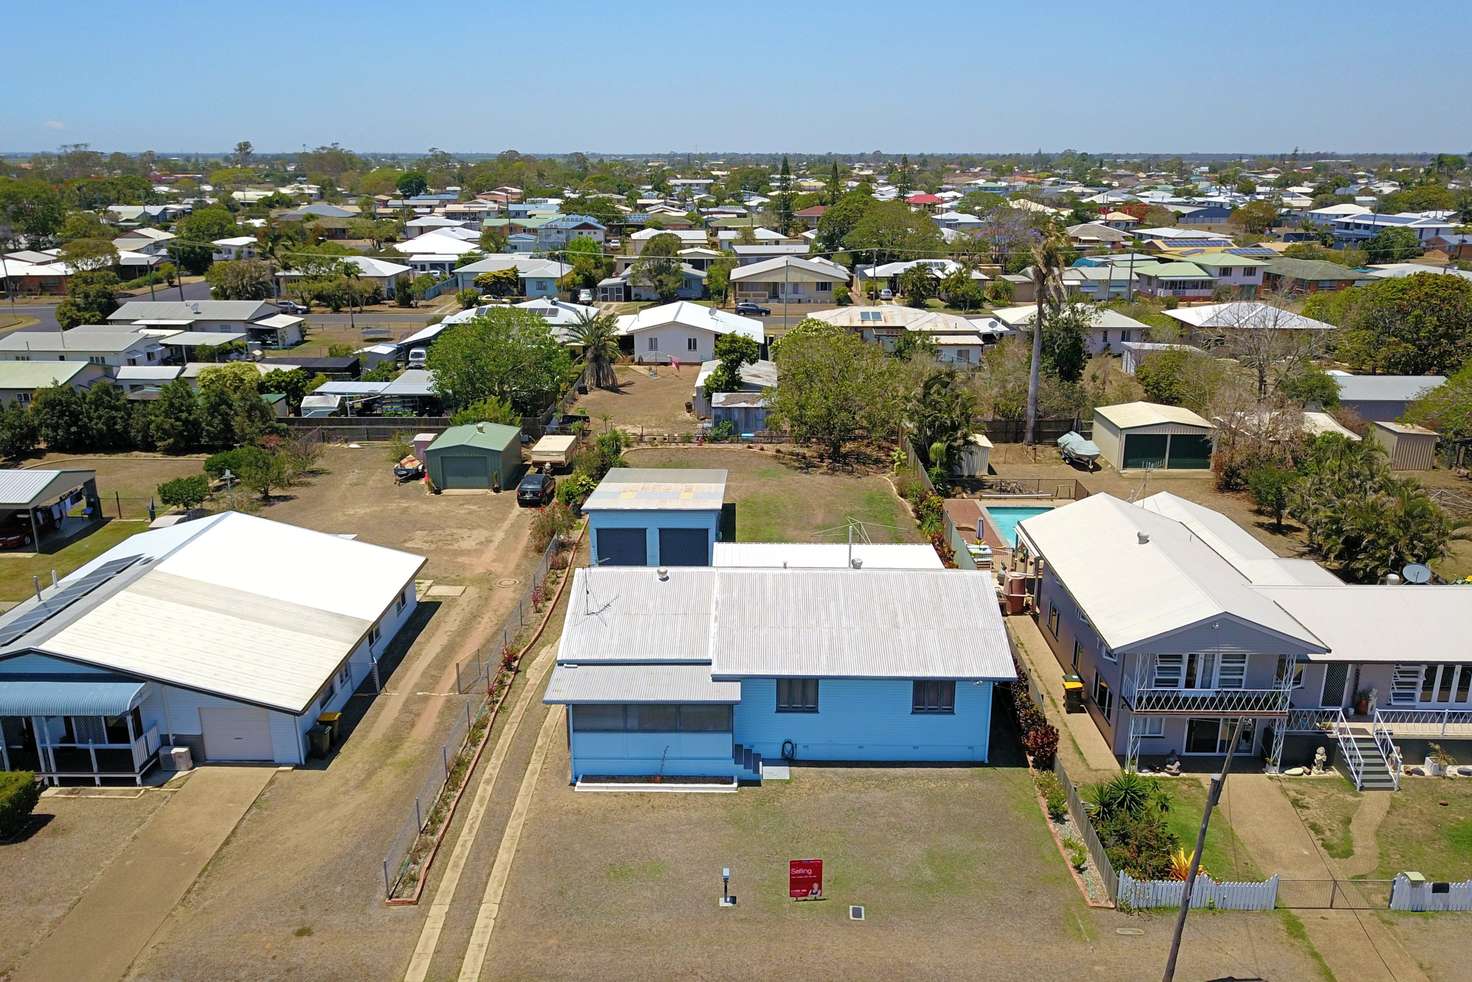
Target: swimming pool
x: 1004, y: 519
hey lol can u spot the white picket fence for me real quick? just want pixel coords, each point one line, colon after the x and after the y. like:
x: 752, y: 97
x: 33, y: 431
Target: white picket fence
x: 1142, y: 894
x: 1425, y: 895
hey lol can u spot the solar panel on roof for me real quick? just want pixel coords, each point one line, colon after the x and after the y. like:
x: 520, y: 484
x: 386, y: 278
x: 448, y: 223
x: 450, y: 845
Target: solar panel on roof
x: 62, y: 599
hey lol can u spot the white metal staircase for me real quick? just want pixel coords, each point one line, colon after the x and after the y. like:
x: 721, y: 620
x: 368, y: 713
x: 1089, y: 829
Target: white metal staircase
x: 1368, y: 754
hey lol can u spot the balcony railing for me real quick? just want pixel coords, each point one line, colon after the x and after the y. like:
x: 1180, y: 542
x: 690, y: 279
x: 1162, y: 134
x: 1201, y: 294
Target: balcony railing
x: 1210, y: 702
x: 1425, y: 722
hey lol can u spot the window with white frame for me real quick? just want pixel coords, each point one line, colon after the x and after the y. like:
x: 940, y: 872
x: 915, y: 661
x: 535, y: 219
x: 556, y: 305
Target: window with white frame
x: 651, y: 344
x: 1281, y: 672
x: 373, y: 634
x: 345, y: 674
x: 1103, y: 696
x: 1431, y: 685
x: 1053, y: 619
x: 692, y: 344
x: 1151, y: 726
x: 1232, y: 672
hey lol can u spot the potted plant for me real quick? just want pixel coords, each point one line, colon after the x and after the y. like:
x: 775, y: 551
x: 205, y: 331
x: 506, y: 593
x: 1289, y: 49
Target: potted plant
x: 1438, y: 760
x: 1364, y: 701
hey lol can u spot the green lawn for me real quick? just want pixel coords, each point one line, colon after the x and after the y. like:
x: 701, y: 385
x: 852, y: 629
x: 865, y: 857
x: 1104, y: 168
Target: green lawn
x: 1428, y: 829
x: 776, y: 502
x: 16, y: 571
x: 1225, y: 857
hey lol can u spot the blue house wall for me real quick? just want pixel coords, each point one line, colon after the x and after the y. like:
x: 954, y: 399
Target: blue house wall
x: 865, y: 719
x: 652, y: 521
x: 648, y: 754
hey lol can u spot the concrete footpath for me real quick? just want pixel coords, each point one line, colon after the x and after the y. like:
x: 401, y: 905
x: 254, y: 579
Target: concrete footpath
x: 99, y: 937
x: 1355, y: 944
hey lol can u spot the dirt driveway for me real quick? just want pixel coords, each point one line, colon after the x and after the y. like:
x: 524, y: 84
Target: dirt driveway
x: 296, y: 892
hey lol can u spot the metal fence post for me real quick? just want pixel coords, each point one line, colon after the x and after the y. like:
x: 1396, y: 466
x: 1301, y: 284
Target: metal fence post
x: 418, y: 819
x: 445, y: 759
x: 388, y: 888
x: 458, y: 686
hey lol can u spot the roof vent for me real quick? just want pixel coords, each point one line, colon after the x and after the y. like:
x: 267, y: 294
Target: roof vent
x: 662, y: 573
x: 480, y: 427
x: 856, y: 563
x: 1144, y: 538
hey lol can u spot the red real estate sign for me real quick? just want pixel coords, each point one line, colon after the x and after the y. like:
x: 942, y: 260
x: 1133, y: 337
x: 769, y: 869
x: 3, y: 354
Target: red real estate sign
x: 805, y: 879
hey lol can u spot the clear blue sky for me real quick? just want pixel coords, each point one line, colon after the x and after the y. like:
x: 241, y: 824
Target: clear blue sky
x: 800, y: 76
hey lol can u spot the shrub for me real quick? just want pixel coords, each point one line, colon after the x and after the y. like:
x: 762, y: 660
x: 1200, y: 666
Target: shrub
x: 236, y: 461
x: 574, y: 489
x: 185, y: 492
x: 19, y: 792
x: 1078, y: 856
x: 723, y: 432
x: 551, y: 521
x: 842, y: 296
x: 1053, y: 795
x: 467, y: 298
x: 1041, y: 743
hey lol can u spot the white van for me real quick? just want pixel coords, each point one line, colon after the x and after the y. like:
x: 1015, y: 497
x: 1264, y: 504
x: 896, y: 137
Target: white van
x: 418, y: 357
x: 585, y: 296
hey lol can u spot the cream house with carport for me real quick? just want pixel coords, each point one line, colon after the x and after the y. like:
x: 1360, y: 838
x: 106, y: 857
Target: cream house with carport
x: 229, y: 635
x: 1147, y: 435
x: 792, y: 279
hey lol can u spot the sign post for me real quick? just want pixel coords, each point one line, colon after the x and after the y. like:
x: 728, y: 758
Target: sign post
x: 805, y: 879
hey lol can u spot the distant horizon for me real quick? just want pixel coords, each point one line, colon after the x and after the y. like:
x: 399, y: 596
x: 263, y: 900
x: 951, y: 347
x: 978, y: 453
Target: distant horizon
x: 1122, y: 155
x: 853, y: 74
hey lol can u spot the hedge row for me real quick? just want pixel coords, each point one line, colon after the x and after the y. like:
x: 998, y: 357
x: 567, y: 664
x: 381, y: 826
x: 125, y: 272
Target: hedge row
x: 19, y: 792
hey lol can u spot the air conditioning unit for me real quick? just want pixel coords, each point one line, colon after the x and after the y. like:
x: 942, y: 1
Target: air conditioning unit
x: 176, y: 759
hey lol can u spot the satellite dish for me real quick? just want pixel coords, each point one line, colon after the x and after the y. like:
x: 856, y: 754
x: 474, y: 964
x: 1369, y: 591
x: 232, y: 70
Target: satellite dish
x: 1417, y: 573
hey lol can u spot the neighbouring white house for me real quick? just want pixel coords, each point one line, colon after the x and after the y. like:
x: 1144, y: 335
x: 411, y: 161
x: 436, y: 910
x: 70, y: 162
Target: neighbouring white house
x: 756, y: 377
x: 956, y: 339
x: 19, y: 380
x: 234, y: 247
x: 790, y: 279
x: 538, y: 276
x: 229, y: 635
x: 1108, y: 328
x: 683, y: 331
x: 560, y: 315
x: 258, y: 320
x: 106, y: 346
x: 688, y: 237
x: 1207, y: 323
x: 381, y: 272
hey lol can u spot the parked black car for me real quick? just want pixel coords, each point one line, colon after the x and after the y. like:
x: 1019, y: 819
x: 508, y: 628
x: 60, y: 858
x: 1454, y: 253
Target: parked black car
x: 536, y: 490
x: 747, y: 307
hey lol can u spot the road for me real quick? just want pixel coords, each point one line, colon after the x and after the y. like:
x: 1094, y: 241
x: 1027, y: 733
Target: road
x: 45, y: 313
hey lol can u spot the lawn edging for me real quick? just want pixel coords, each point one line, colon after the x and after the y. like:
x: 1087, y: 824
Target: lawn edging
x: 509, y: 675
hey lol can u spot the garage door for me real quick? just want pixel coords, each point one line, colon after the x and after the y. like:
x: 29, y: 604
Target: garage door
x: 466, y: 472
x: 622, y: 547
x: 1192, y: 453
x: 1144, y: 450
x: 684, y: 547
x: 236, y: 733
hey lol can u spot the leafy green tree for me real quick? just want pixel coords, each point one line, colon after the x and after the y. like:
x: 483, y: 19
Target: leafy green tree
x: 1271, y: 488
x: 1412, y: 325
x: 833, y: 187
x: 732, y: 351
x: 1312, y: 385
x: 918, y: 284
x: 412, y: 183
x: 839, y: 221
x: 912, y: 345
x: 783, y: 198
x: 718, y: 277
x: 1393, y: 245
x: 176, y: 419
x: 185, y: 492
x: 491, y: 410
x: 658, y: 267
x: 1446, y: 408
x: 61, y: 418
x: 83, y: 225
x: 265, y: 473
x: 89, y: 254
x: 835, y: 387
x: 290, y: 382
x: 1065, y: 352
x: 507, y: 353
x: 192, y: 250
x: 596, y: 336
x: 217, y: 417
x: 499, y: 283
x: 1047, y: 283
x: 1255, y: 217
x: 889, y: 231
x: 240, y: 279
x: 18, y: 434
x: 108, y: 418
x: 90, y: 297
x: 30, y: 211
x: 943, y: 414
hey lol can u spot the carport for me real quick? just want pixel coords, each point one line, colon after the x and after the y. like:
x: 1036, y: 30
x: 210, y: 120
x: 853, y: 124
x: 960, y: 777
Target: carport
x: 1146, y: 435
x: 475, y: 456
x: 36, y: 502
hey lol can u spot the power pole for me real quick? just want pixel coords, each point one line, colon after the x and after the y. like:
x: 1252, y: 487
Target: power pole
x: 1218, y: 781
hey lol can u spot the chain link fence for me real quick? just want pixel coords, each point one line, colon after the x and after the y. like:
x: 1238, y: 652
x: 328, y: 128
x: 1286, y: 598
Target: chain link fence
x: 477, y: 670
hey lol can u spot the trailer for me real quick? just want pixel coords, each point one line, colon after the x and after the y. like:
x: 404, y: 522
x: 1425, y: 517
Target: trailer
x: 553, y: 452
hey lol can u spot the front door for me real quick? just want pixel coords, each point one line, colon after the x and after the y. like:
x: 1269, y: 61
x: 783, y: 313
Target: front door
x: 1336, y: 674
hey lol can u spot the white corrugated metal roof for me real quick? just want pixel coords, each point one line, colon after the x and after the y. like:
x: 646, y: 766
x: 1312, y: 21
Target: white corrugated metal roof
x: 1127, y: 415
x: 825, y: 555
x: 615, y: 615
x: 638, y: 683
x: 658, y: 489
x: 1385, y: 388
x: 1382, y: 623
x: 19, y: 487
x: 235, y: 605
x: 1135, y: 591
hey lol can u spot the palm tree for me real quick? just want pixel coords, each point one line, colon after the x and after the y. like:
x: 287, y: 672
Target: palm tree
x: 1047, y: 284
x: 597, y: 335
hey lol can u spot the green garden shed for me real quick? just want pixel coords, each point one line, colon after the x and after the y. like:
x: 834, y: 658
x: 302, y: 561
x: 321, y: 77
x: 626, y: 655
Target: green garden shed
x: 477, y: 455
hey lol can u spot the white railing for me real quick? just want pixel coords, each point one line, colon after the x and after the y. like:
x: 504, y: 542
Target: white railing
x: 1349, y: 749
x: 1424, y: 719
x: 1207, y: 893
x: 1387, y: 749
x: 1311, y: 720
x: 1238, y: 702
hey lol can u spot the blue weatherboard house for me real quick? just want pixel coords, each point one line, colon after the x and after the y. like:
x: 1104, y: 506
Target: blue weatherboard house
x: 655, y: 516
x: 719, y: 672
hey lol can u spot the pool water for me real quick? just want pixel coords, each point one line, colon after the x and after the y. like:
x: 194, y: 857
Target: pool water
x: 1004, y: 519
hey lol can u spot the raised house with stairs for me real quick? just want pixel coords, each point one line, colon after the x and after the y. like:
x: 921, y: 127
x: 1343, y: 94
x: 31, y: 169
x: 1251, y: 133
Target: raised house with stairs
x: 1180, y: 622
